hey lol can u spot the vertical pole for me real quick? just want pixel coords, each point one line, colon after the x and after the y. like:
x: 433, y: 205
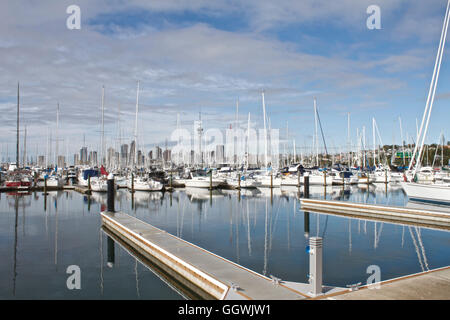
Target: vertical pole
x: 110, y: 201
x: 306, y: 186
x: 271, y: 179
x: 306, y: 224
x: 45, y: 186
x: 210, y: 179
x: 315, y: 265
x: 132, y: 182
x: 110, y: 248
x: 239, y: 182
x: 18, y: 122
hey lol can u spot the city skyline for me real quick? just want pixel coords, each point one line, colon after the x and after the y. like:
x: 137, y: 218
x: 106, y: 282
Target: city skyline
x: 203, y: 57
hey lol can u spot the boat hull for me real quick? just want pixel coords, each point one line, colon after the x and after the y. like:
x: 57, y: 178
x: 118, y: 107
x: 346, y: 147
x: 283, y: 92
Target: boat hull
x: 432, y: 193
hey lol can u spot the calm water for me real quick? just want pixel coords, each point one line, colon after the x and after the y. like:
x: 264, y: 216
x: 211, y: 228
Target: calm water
x: 267, y: 233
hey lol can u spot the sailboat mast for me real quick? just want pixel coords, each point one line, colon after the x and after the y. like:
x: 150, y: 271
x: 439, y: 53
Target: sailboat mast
x: 374, y: 141
x: 401, y: 137
x: 265, y: 131
x: 236, y: 157
x: 316, y: 136
x: 56, y: 138
x: 136, y: 126
x: 17, y: 139
x: 102, y: 154
x: 348, y: 137
x: 248, y: 141
x: 24, y: 161
x: 431, y: 93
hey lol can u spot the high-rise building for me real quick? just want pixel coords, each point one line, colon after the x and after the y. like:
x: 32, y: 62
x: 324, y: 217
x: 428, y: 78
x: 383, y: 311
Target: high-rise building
x: 93, y: 158
x: 76, y: 159
x: 220, y: 153
x: 167, y: 155
x: 83, y: 155
x: 41, y: 161
x: 61, y: 161
x: 110, y: 157
x: 124, y: 155
x: 132, y: 154
x: 157, y: 154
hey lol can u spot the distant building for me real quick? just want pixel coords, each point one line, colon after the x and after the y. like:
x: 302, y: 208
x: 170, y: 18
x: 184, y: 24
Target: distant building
x: 132, y: 154
x: 167, y: 155
x: 83, y: 155
x: 124, y: 155
x: 220, y: 153
x: 157, y: 154
x: 92, y: 160
x: 41, y: 161
x: 110, y: 157
x: 61, y: 161
x: 76, y: 159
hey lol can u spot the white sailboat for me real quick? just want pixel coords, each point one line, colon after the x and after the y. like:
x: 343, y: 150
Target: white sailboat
x: 436, y: 193
x: 144, y: 184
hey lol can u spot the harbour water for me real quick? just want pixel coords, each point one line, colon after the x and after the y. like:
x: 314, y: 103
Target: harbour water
x: 263, y: 230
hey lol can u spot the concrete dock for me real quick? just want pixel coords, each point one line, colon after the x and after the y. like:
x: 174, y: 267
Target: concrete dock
x: 426, y: 218
x: 428, y: 285
x: 219, y: 277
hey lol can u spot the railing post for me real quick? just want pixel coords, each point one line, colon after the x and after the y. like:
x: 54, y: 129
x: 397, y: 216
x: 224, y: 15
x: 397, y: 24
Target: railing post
x: 306, y: 186
x: 315, y: 265
x: 110, y: 201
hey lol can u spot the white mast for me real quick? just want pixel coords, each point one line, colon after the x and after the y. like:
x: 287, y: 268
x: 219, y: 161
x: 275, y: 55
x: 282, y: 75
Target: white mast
x: 374, y: 140
x: 136, y: 126
x: 295, y: 155
x: 102, y: 152
x: 265, y: 131
x: 348, y: 138
x: 316, y: 136
x: 431, y: 93
x: 56, y: 138
x: 403, y: 143
x: 364, y: 145
x: 236, y: 157
x: 47, y: 157
x: 248, y: 141
x: 25, y: 162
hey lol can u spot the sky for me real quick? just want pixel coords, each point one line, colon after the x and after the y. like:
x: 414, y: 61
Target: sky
x: 202, y: 56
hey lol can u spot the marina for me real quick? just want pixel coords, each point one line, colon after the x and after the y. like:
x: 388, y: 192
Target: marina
x: 198, y: 152
x: 266, y: 234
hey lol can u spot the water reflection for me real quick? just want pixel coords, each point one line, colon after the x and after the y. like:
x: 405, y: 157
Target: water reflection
x: 261, y: 229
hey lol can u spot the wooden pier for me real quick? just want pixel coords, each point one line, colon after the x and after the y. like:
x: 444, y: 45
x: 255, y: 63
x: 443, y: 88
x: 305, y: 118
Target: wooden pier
x: 428, y: 285
x: 219, y: 277
x: 427, y: 218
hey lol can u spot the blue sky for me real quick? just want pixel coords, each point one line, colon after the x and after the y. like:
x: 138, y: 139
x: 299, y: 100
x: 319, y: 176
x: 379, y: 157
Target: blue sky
x: 198, y: 55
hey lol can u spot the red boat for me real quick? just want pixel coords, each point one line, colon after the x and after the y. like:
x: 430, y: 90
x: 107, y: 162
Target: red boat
x: 13, y: 184
x: 24, y: 182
